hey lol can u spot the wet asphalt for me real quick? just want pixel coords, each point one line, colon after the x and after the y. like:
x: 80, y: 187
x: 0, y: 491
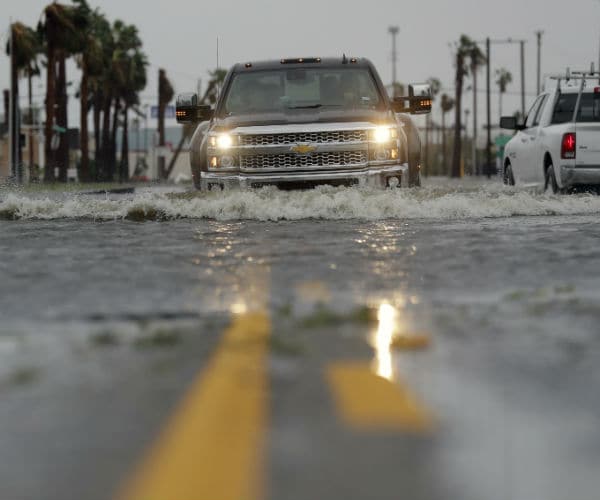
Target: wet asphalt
x: 104, y: 326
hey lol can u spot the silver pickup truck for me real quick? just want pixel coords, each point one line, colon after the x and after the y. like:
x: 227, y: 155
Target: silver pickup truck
x: 298, y: 123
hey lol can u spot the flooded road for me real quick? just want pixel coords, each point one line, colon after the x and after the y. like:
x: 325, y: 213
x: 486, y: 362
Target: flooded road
x: 434, y: 343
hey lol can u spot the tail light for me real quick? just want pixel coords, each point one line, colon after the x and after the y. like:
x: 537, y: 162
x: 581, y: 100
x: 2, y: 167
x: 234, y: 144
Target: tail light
x: 569, y: 142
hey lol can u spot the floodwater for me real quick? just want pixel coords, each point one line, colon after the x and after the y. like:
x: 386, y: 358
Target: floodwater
x: 111, y: 305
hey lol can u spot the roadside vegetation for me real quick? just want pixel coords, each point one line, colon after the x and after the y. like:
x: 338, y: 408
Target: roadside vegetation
x: 113, y: 72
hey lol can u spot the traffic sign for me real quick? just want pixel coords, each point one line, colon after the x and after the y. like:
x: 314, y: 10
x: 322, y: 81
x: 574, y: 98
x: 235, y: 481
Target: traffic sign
x: 169, y: 111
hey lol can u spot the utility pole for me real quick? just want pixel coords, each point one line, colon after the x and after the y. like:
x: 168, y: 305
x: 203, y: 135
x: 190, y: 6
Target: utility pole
x: 539, y: 34
x: 394, y: 30
x: 465, y: 143
x: 522, y: 42
x: 474, y: 167
x: 13, y: 113
x: 488, y: 144
x: 488, y: 43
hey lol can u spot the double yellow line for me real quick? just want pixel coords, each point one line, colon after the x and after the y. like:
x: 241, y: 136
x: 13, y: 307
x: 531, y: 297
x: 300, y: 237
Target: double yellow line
x: 213, y: 447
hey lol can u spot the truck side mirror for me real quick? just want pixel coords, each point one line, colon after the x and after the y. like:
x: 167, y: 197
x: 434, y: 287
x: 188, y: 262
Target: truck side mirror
x: 418, y: 101
x: 188, y: 110
x: 509, y: 123
x: 420, y: 98
x: 401, y: 105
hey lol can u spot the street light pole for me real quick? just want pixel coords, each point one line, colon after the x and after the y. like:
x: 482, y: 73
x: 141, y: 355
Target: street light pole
x: 539, y: 34
x: 394, y: 30
x: 474, y: 168
x: 522, y: 42
x: 465, y: 143
x: 488, y: 144
x: 488, y: 44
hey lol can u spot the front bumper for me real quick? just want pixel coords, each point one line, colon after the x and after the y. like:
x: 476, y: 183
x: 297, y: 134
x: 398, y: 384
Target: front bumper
x: 378, y: 177
x: 573, y: 176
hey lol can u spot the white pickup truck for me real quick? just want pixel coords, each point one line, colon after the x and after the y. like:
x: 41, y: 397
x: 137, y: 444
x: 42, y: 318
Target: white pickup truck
x: 558, y: 146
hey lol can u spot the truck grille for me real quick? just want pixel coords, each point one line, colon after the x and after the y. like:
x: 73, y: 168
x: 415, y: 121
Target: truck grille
x: 346, y: 158
x: 294, y: 138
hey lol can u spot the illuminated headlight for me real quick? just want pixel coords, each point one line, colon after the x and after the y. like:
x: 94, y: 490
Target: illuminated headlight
x: 221, y: 141
x: 384, y: 134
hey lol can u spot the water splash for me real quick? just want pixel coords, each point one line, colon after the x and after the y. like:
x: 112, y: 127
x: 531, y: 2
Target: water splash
x: 449, y: 202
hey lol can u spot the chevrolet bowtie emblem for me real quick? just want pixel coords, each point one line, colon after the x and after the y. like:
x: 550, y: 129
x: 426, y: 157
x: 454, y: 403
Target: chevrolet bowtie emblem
x: 303, y: 149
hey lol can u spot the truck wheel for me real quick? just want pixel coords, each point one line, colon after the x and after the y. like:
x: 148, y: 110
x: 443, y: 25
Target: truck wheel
x: 550, y: 184
x: 414, y: 175
x: 196, y: 178
x: 413, y: 146
x: 508, y: 177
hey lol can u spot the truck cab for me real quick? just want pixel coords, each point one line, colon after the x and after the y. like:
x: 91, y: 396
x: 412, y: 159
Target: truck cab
x: 304, y: 122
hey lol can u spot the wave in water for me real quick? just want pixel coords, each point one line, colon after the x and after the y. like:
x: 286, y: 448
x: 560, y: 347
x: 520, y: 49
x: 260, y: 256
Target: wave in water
x: 325, y: 203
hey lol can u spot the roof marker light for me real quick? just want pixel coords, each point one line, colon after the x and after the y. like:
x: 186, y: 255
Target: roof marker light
x: 301, y: 60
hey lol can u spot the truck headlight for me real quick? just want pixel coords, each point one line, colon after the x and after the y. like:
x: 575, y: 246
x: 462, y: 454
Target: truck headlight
x: 384, y: 153
x: 384, y: 133
x: 222, y: 141
x: 224, y: 161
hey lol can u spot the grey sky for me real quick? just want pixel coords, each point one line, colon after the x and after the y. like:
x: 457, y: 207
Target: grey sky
x: 180, y: 35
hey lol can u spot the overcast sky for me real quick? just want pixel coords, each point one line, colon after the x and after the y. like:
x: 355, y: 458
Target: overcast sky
x: 180, y: 35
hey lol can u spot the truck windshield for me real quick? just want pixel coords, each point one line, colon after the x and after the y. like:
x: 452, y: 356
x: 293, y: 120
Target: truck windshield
x: 278, y: 90
x: 589, y: 110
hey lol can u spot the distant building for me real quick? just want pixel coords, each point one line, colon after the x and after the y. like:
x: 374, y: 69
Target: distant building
x: 30, y: 140
x: 144, y: 152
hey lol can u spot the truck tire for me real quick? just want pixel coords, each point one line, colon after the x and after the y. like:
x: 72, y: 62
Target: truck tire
x: 198, y: 153
x: 196, y: 178
x: 414, y: 151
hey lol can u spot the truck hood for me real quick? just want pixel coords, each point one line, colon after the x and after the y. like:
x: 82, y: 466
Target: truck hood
x: 303, y: 117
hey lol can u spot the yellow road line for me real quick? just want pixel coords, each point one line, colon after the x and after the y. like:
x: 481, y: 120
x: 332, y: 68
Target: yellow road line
x: 365, y: 401
x: 213, y: 448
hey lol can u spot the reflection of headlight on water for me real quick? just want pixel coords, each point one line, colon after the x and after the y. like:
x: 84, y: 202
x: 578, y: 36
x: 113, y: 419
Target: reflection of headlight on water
x: 383, y: 340
x: 386, y: 314
x: 238, y: 308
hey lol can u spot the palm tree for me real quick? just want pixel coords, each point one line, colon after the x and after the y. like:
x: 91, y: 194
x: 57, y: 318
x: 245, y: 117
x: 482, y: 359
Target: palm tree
x: 27, y: 48
x: 465, y: 48
x: 447, y: 105
x: 477, y: 59
x: 103, y: 97
x: 130, y: 70
x: 89, y: 59
x: 503, y: 80
x: 61, y: 28
x: 435, y: 86
x: 165, y: 94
